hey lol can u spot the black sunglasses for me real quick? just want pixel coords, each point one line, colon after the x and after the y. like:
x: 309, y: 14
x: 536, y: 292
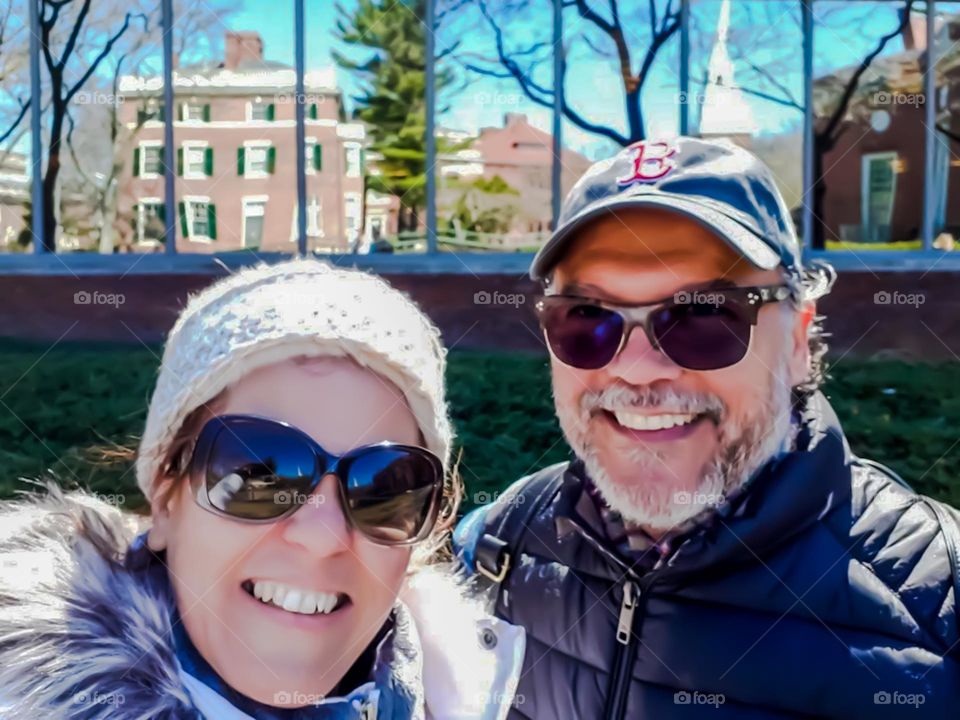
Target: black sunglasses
x: 259, y: 470
x: 697, y: 329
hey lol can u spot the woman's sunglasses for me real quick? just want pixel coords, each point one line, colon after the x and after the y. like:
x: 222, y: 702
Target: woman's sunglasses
x: 259, y: 470
x: 697, y: 330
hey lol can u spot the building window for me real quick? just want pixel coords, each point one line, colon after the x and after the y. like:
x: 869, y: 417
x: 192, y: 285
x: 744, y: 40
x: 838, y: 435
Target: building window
x: 254, y: 210
x: 194, y: 111
x: 260, y: 111
x: 148, y: 159
x: 195, y: 160
x: 314, y: 219
x: 353, y: 217
x: 151, y: 224
x: 151, y: 111
x: 198, y: 219
x: 314, y: 156
x: 353, y: 159
x: 256, y: 159
x: 877, y: 192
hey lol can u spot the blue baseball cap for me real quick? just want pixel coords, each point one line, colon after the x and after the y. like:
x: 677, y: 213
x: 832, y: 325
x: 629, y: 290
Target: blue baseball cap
x: 714, y: 182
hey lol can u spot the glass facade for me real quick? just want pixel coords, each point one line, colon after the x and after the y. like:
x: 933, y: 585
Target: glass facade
x: 343, y: 150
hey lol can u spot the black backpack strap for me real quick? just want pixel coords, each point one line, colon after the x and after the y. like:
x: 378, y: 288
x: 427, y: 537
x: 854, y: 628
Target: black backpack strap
x: 502, y: 541
x: 951, y: 538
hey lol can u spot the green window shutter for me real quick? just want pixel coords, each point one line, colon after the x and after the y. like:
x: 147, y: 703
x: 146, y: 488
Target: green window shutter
x: 206, y: 112
x: 162, y: 213
x: 161, y: 113
x: 363, y: 160
x: 180, y: 161
x: 208, y: 161
x: 136, y: 162
x: 240, y: 161
x: 212, y: 221
x: 183, y: 218
x: 271, y: 112
x: 182, y: 111
x: 313, y: 111
x: 318, y: 157
x: 271, y: 159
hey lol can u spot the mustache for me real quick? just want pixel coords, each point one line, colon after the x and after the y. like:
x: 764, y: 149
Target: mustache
x: 665, y: 398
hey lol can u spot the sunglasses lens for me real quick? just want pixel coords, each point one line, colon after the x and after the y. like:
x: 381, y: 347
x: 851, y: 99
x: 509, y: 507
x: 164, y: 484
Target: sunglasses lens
x: 702, y: 336
x: 258, y: 471
x: 581, y: 335
x: 392, y: 492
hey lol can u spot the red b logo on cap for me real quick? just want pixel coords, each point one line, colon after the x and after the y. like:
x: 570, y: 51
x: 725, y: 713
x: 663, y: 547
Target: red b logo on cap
x: 651, y: 162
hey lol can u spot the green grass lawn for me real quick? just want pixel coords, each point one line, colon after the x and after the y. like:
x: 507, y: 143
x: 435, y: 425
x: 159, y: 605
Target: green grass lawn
x: 59, y: 410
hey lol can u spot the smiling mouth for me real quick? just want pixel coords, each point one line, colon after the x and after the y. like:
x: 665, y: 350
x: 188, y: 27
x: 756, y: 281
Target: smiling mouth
x: 295, y: 600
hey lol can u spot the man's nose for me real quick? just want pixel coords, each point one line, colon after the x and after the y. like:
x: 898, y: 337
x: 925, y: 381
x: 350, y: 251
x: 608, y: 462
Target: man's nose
x: 320, y: 526
x: 640, y: 363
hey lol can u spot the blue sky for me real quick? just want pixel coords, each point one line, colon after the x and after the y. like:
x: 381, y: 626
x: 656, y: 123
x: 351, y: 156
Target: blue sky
x: 593, y: 85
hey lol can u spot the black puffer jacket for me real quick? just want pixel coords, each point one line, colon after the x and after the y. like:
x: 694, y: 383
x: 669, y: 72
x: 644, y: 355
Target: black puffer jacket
x: 829, y: 594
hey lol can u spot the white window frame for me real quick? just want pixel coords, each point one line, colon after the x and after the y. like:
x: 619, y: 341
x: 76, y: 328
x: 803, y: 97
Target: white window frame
x: 256, y: 101
x: 315, y: 229
x: 195, y: 144
x: 356, y: 147
x: 246, y: 201
x: 185, y: 111
x: 865, y: 161
x: 141, y: 220
x: 188, y: 201
x: 256, y: 144
x: 309, y: 144
x: 144, y: 144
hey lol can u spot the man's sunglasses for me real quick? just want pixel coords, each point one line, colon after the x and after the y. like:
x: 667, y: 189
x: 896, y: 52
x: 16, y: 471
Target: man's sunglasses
x: 697, y: 329
x: 258, y: 470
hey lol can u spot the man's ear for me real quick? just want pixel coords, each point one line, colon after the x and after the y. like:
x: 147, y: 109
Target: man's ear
x: 799, y: 365
x: 160, y: 514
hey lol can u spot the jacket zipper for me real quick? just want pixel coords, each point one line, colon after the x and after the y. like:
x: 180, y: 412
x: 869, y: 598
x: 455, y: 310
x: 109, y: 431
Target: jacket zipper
x: 625, y: 654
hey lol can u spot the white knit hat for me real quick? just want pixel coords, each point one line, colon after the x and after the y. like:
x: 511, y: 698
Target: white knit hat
x: 269, y: 313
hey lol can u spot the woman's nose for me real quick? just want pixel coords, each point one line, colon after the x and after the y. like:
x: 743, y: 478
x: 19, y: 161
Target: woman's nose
x: 320, y: 525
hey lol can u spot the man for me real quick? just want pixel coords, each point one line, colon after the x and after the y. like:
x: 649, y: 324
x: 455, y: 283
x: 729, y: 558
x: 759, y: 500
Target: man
x: 715, y: 549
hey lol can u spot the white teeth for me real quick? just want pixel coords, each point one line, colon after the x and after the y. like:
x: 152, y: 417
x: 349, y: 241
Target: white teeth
x: 296, y: 600
x: 635, y: 421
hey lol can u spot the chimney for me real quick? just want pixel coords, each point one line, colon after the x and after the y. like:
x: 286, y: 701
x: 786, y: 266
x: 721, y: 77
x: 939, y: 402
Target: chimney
x: 240, y: 46
x: 513, y: 118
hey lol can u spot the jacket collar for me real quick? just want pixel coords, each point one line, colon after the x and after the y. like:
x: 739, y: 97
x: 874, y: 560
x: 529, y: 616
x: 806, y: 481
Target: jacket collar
x: 785, y: 497
x: 82, y: 632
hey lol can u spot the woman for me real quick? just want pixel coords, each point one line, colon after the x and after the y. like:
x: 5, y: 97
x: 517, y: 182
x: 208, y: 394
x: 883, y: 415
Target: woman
x: 295, y: 457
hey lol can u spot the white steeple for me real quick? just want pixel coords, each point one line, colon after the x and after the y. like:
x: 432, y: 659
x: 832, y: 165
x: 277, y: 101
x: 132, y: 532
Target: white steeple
x: 725, y: 111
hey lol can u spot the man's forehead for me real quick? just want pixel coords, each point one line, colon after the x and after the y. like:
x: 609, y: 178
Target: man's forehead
x: 648, y: 240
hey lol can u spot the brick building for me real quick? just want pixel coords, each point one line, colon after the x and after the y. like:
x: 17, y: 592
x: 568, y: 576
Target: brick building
x: 235, y: 156
x: 874, y: 176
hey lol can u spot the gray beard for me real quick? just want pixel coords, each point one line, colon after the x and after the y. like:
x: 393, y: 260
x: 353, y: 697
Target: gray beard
x: 744, y: 447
